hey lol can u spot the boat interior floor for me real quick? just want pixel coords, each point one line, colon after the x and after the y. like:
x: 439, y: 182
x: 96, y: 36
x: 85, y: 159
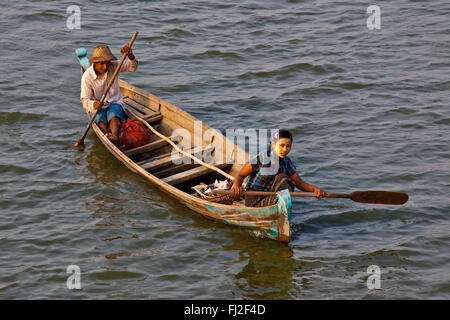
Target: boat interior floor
x: 158, y: 157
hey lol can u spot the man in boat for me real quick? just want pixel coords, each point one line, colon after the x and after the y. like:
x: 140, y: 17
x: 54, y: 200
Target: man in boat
x: 95, y: 79
x: 264, y: 174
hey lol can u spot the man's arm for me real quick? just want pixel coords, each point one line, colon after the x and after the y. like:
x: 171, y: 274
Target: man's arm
x: 131, y: 64
x: 304, y: 186
x: 86, y: 95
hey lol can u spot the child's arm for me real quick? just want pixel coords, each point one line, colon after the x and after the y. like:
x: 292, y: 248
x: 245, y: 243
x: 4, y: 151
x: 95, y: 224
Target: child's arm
x: 304, y: 186
x: 237, y: 184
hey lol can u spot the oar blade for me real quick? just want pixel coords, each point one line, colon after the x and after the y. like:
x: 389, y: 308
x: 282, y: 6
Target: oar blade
x: 379, y: 197
x: 79, y: 143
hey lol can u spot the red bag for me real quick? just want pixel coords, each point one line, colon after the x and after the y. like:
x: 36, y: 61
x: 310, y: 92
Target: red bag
x: 133, y: 134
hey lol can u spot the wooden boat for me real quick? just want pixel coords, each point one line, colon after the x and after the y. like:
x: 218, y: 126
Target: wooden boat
x: 153, y: 161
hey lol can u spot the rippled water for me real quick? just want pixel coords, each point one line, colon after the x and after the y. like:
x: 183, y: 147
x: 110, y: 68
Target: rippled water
x: 368, y: 109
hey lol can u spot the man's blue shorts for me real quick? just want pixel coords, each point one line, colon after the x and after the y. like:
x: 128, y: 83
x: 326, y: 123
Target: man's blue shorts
x: 114, y: 110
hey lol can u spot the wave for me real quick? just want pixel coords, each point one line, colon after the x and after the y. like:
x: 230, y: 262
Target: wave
x: 13, y: 117
x: 39, y: 16
x: 218, y: 53
x: 288, y: 70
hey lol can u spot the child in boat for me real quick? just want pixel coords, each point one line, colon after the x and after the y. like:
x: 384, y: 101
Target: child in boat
x: 95, y: 79
x: 265, y: 175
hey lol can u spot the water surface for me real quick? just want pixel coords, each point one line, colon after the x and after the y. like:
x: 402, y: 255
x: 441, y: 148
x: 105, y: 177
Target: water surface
x: 368, y: 110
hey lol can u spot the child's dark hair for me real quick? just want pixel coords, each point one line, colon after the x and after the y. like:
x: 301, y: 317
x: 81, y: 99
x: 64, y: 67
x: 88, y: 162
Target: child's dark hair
x: 282, y: 133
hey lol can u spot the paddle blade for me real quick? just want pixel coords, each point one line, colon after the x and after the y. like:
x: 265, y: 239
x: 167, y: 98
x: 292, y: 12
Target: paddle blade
x: 379, y: 197
x: 82, y: 58
x: 79, y: 143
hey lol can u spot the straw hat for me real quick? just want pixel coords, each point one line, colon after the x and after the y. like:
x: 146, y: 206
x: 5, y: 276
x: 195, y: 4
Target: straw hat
x: 102, y: 53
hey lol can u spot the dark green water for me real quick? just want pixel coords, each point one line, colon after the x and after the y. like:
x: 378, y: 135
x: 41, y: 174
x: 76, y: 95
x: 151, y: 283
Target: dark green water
x: 368, y: 109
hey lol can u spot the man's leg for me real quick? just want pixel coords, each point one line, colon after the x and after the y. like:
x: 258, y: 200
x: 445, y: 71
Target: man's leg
x: 114, y: 126
x: 116, y: 116
x: 104, y: 127
x: 101, y: 120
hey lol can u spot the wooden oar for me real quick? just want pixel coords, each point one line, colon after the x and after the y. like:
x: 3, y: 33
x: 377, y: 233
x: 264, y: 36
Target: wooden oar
x: 375, y: 197
x: 116, y: 72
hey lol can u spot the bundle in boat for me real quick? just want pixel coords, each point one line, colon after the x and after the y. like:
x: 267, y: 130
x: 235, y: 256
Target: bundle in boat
x: 205, y: 191
x: 133, y: 134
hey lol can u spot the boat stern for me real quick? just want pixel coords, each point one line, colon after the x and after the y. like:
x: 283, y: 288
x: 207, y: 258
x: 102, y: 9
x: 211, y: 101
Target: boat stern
x: 284, y: 205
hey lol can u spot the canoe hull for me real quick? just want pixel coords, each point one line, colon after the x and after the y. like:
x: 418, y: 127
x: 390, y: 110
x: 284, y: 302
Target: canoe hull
x: 272, y: 222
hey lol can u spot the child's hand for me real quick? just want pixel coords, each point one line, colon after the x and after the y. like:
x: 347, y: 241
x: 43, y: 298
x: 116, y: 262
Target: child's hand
x: 320, y: 193
x: 237, y: 190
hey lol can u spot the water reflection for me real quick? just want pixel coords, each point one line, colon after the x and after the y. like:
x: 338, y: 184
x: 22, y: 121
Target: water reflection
x: 103, y: 165
x: 118, y: 185
x: 268, y: 273
x: 114, y: 191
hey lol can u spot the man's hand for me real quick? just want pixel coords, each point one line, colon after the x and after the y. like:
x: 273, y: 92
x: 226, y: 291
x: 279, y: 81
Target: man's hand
x: 97, y: 104
x: 127, y: 50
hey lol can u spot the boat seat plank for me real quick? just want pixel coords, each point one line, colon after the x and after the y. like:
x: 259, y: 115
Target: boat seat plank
x: 190, y: 174
x: 159, y: 163
x: 158, y: 157
x: 150, y: 146
x: 139, y: 107
x: 152, y: 118
x: 173, y: 170
x: 129, y: 114
x: 130, y: 111
x: 151, y: 159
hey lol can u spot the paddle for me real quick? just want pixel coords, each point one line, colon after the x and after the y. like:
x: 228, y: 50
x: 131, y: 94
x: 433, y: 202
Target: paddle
x: 82, y: 58
x: 375, y: 197
x: 116, y: 72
